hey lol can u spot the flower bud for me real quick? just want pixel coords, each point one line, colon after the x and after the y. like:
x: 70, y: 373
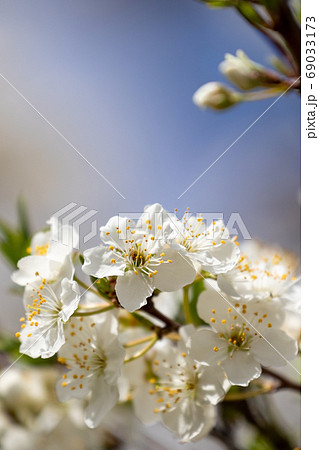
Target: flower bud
x: 243, y: 72
x: 215, y: 95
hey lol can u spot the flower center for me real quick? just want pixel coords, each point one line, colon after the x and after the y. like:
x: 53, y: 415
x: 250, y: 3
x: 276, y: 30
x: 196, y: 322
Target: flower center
x: 41, y: 249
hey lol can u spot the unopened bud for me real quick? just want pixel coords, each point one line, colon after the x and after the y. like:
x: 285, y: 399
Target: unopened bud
x: 215, y: 95
x: 243, y: 72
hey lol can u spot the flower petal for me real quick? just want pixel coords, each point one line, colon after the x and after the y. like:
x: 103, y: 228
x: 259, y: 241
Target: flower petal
x: 70, y: 297
x: 30, y: 265
x: 241, y: 368
x: 186, y: 420
x: 144, y: 405
x: 98, y: 263
x: 103, y: 398
x: 279, y: 348
x: 175, y: 275
x: 133, y: 289
x: 222, y: 258
x: 210, y: 300
x: 114, y: 232
x: 202, y: 344
x: 210, y: 386
x: 40, y: 341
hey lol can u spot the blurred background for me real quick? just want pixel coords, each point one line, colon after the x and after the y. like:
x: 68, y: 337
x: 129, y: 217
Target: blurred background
x: 116, y: 78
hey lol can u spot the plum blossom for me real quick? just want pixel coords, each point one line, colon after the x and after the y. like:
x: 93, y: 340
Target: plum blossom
x: 94, y: 357
x: 137, y: 254
x: 206, y: 247
x: 50, y: 255
x: 47, y: 312
x: 241, y: 337
x: 182, y: 392
x: 265, y: 275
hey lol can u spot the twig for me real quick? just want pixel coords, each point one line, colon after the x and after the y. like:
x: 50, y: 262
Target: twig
x: 284, y: 383
x: 171, y: 325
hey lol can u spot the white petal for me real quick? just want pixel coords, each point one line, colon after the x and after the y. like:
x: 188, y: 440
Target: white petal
x: 64, y: 387
x: 209, y: 422
x: 186, y: 332
x: 133, y: 289
x: 202, y: 344
x: 29, y: 265
x: 279, y: 348
x: 98, y: 263
x: 222, y: 258
x: 66, y: 269
x: 213, y: 299
x: 175, y: 275
x: 186, y: 420
x: 115, y: 356
x: 114, y: 232
x: 70, y: 297
x: 44, y: 342
x: 144, y: 405
x: 103, y: 398
x: 210, y: 386
x: 241, y: 368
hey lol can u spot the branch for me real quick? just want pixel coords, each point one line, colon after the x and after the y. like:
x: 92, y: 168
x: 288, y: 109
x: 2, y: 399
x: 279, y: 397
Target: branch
x: 284, y: 383
x: 171, y: 325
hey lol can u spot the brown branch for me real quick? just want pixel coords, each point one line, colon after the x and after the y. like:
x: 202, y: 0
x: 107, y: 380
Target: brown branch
x: 170, y: 325
x: 284, y: 383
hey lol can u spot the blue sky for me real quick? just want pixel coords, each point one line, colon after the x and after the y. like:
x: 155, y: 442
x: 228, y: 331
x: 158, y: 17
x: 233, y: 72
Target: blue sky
x: 117, y: 79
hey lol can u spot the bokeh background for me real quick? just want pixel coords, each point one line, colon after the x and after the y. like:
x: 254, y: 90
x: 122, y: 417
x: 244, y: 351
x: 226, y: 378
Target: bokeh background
x: 116, y: 78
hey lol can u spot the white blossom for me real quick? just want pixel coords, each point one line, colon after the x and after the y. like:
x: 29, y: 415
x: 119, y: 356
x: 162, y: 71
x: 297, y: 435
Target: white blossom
x: 94, y: 357
x: 49, y: 256
x: 241, y: 337
x: 182, y: 392
x: 138, y: 256
x: 47, y: 312
x: 265, y: 275
x: 206, y: 247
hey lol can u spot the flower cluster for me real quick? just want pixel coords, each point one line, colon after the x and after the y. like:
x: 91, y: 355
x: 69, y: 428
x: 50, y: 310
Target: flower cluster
x: 129, y: 337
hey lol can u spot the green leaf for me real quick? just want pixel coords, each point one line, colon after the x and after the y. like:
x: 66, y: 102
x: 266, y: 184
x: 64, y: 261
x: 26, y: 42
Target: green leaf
x: 220, y: 3
x: 23, y: 219
x: 14, y: 240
